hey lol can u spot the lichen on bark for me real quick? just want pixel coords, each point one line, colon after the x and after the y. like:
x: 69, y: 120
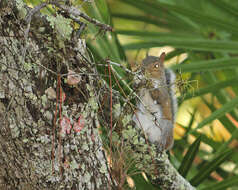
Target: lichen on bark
x: 26, y: 112
x: 31, y: 66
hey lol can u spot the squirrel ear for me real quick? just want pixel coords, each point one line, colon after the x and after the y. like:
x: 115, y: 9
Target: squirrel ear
x: 162, y: 57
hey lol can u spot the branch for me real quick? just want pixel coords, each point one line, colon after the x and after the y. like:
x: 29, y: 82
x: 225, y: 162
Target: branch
x: 71, y: 11
x: 77, y: 13
x: 168, y: 177
x: 33, y: 11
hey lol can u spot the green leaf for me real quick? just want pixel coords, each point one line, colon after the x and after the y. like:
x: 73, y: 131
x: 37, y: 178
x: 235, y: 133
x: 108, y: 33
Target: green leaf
x: 229, y: 8
x: 229, y: 126
x: 204, y: 19
x: 230, y: 182
x: 184, y: 43
x: 151, y: 7
x: 174, y: 53
x: 189, y: 157
x: 222, y: 96
x: 209, y: 167
x: 207, y: 140
x: 141, y: 183
x: 140, y: 18
x: 223, y: 119
x: 194, y: 15
x: 104, y: 11
x: 216, y: 64
x: 219, y: 112
x: 191, y: 121
x: 151, y: 35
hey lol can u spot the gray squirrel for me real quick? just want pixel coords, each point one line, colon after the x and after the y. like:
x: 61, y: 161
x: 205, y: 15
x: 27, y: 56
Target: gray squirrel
x: 157, y: 107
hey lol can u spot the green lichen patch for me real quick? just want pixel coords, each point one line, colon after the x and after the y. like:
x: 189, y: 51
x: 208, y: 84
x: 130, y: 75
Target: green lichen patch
x: 22, y: 11
x: 61, y: 26
x: 27, y: 66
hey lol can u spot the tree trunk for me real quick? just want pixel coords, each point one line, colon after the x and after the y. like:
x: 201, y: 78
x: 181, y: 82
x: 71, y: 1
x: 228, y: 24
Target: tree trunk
x: 49, y: 137
x: 36, y: 151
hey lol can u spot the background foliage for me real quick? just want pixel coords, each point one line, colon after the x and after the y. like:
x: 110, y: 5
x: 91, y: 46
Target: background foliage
x: 205, y: 34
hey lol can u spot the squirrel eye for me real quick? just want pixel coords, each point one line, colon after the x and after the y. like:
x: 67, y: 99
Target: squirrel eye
x: 156, y: 66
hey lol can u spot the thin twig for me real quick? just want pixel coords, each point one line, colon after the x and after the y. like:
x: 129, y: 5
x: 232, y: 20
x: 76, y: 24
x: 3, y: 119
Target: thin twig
x: 60, y: 128
x: 28, y: 21
x: 53, y: 132
x: 110, y: 84
x: 72, y: 11
x: 34, y: 11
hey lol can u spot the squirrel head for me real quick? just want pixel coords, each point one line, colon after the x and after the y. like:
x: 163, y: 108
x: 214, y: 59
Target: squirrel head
x: 153, y: 67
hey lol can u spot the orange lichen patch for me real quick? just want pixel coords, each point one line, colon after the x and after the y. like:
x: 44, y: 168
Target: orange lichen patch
x: 78, y: 126
x: 65, y: 125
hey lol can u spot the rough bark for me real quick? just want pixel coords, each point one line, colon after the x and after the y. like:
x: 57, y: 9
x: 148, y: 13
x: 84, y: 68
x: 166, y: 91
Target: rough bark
x: 31, y: 156
x: 27, y: 113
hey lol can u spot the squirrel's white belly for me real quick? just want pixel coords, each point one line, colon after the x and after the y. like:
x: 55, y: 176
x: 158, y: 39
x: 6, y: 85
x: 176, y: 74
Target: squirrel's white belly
x: 149, y: 117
